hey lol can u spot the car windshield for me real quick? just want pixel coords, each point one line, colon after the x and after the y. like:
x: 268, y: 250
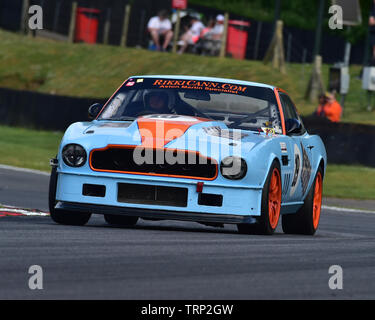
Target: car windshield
x: 239, y: 106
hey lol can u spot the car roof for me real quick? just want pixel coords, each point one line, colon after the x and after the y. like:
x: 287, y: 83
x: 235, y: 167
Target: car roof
x: 233, y: 81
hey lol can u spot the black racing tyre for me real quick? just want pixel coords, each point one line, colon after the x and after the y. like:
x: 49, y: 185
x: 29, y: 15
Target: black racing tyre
x: 120, y: 220
x: 62, y: 216
x: 306, y: 220
x: 271, y: 205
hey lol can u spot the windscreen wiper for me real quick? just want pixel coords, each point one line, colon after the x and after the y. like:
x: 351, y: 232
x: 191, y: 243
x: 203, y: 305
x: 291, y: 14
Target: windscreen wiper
x: 125, y: 118
x: 249, y: 118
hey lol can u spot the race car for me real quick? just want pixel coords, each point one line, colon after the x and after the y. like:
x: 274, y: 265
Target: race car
x: 210, y: 150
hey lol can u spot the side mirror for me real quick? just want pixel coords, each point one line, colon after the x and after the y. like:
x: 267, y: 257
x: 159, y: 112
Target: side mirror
x: 293, y: 126
x: 94, y: 110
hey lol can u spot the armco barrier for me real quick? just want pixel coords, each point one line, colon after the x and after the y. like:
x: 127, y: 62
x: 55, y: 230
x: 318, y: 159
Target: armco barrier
x: 42, y: 111
x: 346, y: 143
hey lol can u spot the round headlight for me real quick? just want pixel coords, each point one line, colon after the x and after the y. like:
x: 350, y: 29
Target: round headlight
x: 233, y: 168
x: 74, y: 155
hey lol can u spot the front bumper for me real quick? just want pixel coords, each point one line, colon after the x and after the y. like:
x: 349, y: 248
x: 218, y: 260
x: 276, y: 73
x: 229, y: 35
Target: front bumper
x: 239, y: 203
x: 155, y: 214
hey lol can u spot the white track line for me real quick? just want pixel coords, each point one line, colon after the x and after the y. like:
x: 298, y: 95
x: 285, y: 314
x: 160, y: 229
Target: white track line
x: 6, y: 167
x: 25, y: 212
x: 347, y: 210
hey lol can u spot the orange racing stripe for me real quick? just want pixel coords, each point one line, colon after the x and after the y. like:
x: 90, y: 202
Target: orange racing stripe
x: 157, y: 132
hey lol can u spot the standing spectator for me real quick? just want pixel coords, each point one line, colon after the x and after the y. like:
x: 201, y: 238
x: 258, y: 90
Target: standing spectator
x: 218, y: 29
x: 329, y: 107
x: 160, y: 28
x: 191, y: 36
x: 212, y: 37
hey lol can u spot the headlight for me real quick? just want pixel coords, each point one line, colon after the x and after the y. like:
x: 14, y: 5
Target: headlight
x: 233, y: 168
x: 74, y: 155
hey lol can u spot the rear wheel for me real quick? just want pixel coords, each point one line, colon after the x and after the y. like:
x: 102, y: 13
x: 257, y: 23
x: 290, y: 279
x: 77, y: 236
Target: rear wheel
x: 118, y: 220
x: 271, y: 205
x: 306, y: 220
x: 63, y: 216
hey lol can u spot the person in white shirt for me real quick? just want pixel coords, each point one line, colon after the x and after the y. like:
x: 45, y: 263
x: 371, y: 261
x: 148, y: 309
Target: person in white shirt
x: 160, y: 27
x: 192, y: 35
x: 218, y: 29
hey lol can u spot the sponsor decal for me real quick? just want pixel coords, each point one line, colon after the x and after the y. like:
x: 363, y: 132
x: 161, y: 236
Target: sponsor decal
x: 306, y: 170
x: 283, y: 147
x: 269, y: 131
x: 217, y: 131
x: 130, y: 83
x: 139, y: 80
x: 297, y: 169
x: 200, y: 85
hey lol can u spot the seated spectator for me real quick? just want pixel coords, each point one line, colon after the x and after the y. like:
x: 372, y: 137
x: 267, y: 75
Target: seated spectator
x: 212, y: 38
x: 329, y: 107
x: 206, y: 31
x: 160, y: 28
x: 192, y: 35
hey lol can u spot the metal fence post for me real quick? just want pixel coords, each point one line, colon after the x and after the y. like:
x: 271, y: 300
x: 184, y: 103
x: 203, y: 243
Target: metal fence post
x: 225, y: 36
x: 72, y: 26
x: 125, y: 28
x: 257, y: 39
x: 107, y: 26
x: 289, y: 47
x: 176, y: 32
x: 24, y: 13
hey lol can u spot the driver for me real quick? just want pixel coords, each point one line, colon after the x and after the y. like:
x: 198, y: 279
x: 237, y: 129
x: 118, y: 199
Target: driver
x: 157, y: 102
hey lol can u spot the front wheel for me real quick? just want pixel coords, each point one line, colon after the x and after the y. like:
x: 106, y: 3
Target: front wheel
x: 271, y: 205
x: 306, y: 220
x: 63, y: 216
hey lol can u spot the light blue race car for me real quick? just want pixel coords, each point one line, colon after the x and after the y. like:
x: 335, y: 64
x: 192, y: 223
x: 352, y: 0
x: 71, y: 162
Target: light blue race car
x: 214, y: 151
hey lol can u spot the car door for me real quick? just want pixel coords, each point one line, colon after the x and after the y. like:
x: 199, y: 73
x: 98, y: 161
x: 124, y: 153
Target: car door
x: 300, y: 152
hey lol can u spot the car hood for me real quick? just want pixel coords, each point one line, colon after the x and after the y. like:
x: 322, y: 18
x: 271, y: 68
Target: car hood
x: 168, y: 131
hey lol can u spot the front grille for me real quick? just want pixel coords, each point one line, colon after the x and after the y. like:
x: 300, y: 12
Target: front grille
x: 155, y: 195
x: 153, y: 162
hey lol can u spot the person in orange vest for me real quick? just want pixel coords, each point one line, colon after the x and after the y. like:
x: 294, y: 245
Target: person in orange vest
x: 329, y: 107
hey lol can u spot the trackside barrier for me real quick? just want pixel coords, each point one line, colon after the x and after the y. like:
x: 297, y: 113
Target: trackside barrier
x: 346, y: 143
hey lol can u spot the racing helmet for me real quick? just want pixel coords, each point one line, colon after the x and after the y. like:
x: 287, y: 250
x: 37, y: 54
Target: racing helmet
x: 163, y: 95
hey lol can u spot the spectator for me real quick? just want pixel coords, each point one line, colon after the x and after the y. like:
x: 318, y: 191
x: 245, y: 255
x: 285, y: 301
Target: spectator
x: 329, y: 107
x: 191, y: 36
x: 206, y: 31
x: 160, y: 28
x: 218, y: 30
x: 212, y: 37
x: 372, y: 31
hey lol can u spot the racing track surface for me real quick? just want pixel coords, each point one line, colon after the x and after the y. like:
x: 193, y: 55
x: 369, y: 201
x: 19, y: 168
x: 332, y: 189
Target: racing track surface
x: 176, y: 260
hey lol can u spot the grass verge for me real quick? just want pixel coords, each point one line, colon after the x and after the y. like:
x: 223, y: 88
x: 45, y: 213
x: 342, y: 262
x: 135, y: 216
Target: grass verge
x: 32, y: 149
x: 96, y: 71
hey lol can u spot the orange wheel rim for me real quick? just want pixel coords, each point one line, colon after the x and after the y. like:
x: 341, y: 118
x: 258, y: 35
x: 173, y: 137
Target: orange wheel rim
x: 317, y: 203
x: 274, y: 198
